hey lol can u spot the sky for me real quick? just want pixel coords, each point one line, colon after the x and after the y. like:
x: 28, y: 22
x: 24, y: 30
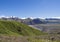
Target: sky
x: 30, y: 8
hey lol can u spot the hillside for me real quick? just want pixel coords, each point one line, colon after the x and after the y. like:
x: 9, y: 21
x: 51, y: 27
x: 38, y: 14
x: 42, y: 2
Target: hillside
x: 17, y: 28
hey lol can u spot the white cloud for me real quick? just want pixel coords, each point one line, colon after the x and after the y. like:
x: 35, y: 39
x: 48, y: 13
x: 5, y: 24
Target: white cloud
x: 50, y: 17
x: 4, y: 16
x: 56, y: 17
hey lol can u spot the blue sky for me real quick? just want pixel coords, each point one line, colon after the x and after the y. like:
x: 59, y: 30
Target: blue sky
x: 30, y: 8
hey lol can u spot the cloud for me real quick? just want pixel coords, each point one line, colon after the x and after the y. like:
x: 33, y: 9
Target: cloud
x: 56, y: 17
x: 4, y: 16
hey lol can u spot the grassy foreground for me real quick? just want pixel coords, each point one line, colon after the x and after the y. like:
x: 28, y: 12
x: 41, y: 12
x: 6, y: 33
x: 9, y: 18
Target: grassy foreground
x: 12, y: 31
x: 17, y: 29
x: 25, y: 39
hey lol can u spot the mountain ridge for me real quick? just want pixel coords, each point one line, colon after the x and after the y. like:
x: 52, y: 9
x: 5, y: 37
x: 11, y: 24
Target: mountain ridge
x: 30, y: 21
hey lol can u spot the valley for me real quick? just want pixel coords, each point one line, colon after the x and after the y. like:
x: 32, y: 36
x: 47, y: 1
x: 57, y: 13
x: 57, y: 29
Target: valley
x: 49, y: 28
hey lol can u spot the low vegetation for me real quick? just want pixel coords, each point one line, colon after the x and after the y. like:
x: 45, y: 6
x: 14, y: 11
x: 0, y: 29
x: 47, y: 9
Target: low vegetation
x: 17, y: 29
x: 13, y: 31
x: 27, y: 39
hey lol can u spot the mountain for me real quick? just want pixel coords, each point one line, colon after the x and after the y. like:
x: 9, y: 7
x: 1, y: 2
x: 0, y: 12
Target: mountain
x: 29, y: 21
x: 34, y: 21
x: 52, y: 21
x: 17, y: 28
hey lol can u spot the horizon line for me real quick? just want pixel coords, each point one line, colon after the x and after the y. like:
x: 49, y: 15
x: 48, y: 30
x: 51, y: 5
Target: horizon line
x: 28, y: 17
